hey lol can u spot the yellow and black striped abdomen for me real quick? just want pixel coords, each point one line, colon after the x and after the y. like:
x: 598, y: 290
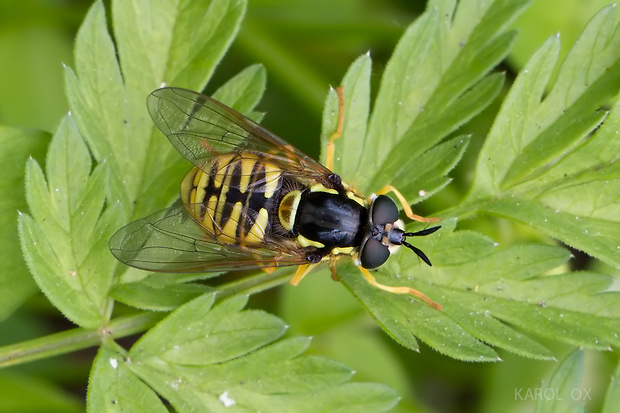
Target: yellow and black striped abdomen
x: 232, y: 197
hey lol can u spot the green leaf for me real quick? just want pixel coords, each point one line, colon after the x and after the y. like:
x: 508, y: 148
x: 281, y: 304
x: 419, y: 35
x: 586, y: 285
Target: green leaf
x: 540, y: 165
x: 199, y: 35
x: 356, y: 90
x: 209, y: 336
x: 434, y: 82
x: 98, y: 100
x: 164, y: 41
x: 15, y: 281
x: 596, y: 236
x: 213, y: 357
x: 612, y: 397
x: 563, y: 393
x: 497, y: 297
x: 149, y: 295
x: 64, y: 240
x: 243, y: 91
x: 114, y: 388
x: 201, y: 38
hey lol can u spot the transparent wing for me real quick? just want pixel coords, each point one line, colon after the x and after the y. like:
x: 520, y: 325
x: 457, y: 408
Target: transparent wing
x: 171, y: 241
x: 201, y: 128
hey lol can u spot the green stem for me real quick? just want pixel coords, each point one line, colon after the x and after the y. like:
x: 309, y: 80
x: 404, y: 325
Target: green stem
x: 75, y: 339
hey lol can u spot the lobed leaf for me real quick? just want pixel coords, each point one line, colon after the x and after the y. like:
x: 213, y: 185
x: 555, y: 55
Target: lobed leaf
x: 214, y: 357
x: 243, y: 91
x: 143, y: 294
x: 547, y: 161
x: 16, y: 284
x: 596, y: 236
x: 559, y: 393
x: 498, y: 297
x: 114, y: 388
x: 198, y: 37
x: 434, y: 82
x: 64, y: 239
x: 350, y: 144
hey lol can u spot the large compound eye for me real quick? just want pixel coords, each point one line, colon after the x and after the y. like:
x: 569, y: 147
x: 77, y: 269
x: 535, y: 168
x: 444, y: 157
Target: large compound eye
x: 373, y: 254
x: 383, y: 210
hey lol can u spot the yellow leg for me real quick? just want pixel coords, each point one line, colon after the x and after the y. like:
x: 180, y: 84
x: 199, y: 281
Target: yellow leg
x: 398, y: 290
x: 331, y: 147
x: 269, y: 270
x: 405, y: 204
x: 301, y: 272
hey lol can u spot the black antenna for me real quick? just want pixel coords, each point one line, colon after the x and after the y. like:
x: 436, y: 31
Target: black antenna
x: 418, y: 251
x: 426, y: 231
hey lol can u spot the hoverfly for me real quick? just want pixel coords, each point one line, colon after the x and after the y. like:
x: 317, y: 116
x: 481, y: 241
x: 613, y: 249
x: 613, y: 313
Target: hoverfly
x: 254, y: 201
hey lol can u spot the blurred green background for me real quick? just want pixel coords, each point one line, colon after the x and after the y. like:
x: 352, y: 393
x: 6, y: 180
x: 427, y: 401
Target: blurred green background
x: 305, y: 45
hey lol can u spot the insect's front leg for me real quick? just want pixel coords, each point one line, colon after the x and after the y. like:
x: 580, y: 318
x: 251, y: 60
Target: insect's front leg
x: 397, y: 290
x: 405, y: 205
x: 331, y: 146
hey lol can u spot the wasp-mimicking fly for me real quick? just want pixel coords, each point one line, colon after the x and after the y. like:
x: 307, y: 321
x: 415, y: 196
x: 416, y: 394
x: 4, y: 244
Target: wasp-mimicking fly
x: 254, y: 201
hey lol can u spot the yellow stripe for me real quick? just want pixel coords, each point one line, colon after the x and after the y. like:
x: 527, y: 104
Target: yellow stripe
x: 223, y: 191
x: 247, y: 166
x: 257, y: 232
x: 230, y: 229
x: 342, y: 250
x: 305, y: 242
x: 210, y: 215
x: 272, y: 175
x: 200, y: 187
x: 223, y: 162
x: 321, y: 188
x: 287, y: 211
x: 196, y: 179
x: 352, y: 195
x: 187, y: 185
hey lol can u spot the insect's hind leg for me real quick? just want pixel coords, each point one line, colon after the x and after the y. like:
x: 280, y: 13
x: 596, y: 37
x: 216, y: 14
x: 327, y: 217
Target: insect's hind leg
x: 331, y: 146
x: 398, y: 290
x: 405, y: 204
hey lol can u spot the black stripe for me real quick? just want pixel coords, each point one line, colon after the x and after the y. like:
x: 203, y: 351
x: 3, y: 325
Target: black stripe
x: 210, y: 190
x: 255, y: 198
x: 233, y: 195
